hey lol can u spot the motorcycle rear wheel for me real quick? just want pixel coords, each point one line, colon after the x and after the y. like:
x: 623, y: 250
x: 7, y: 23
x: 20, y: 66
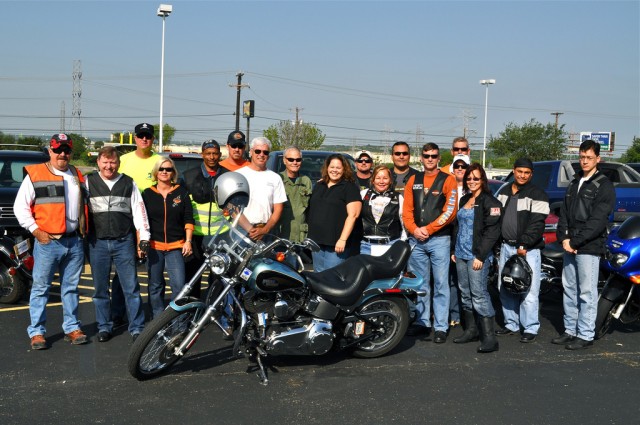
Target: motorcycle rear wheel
x: 12, y: 288
x: 604, y: 317
x: 393, y: 319
x: 153, y: 351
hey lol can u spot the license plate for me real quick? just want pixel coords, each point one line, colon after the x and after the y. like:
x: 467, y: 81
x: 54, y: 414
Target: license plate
x: 21, y: 249
x: 359, y: 330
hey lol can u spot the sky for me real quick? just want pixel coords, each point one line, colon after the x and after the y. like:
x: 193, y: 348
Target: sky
x: 365, y: 72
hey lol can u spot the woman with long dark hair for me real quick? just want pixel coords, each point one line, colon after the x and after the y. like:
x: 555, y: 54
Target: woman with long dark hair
x: 334, y: 206
x: 476, y: 232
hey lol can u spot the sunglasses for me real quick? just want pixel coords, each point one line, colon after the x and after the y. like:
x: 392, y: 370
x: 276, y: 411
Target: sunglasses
x: 460, y: 149
x: 60, y: 149
x: 473, y: 179
x: 400, y: 153
x: 261, y: 151
x: 460, y: 167
x: 292, y: 159
x: 237, y: 145
x: 427, y: 156
x: 364, y: 161
x: 167, y: 169
x: 144, y: 136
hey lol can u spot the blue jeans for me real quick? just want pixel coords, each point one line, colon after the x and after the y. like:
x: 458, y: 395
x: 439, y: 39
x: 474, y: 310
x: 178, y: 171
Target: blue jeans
x: 120, y: 253
x: 327, y: 258
x: 432, y: 254
x: 521, y: 309
x: 158, y: 261
x: 66, y: 256
x: 473, y: 287
x: 580, y: 299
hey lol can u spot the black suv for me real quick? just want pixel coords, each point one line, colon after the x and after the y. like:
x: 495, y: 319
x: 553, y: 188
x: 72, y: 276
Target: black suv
x: 311, y: 163
x: 12, y: 165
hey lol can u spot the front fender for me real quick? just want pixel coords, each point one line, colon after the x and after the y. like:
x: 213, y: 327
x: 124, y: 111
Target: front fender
x: 184, y: 304
x: 616, y: 288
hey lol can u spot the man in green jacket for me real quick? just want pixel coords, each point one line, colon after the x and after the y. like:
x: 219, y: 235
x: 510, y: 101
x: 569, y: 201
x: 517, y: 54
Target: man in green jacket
x: 293, y: 223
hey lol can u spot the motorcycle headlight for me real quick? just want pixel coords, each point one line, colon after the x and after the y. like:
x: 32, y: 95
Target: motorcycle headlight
x: 219, y: 263
x: 618, y: 260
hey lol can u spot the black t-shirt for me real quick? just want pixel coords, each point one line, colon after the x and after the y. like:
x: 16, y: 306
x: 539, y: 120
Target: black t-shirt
x: 328, y: 211
x: 364, y: 183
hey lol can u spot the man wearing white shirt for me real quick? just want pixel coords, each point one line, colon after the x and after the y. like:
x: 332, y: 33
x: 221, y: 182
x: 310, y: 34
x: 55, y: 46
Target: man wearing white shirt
x: 117, y: 212
x: 267, y: 193
x: 50, y: 204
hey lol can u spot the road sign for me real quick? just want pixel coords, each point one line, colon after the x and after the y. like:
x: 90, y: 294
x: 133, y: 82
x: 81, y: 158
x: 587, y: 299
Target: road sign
x: 605, y: 138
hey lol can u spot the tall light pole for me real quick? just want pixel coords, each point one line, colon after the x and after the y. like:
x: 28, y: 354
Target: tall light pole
x: 485, y: 83
x: 163, y: 11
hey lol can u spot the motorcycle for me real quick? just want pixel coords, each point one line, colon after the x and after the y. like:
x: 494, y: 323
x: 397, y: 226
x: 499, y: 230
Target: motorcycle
x: 620, y: 298
x: 16, y: 265
x: 362, y: 305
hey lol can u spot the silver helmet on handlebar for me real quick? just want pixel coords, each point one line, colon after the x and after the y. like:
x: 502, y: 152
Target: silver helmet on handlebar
x: 231, y: 189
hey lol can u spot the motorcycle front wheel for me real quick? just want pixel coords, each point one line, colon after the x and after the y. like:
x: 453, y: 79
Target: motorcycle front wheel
x: 153, y: 352
x: 391, y: 324
x: 604, y: 317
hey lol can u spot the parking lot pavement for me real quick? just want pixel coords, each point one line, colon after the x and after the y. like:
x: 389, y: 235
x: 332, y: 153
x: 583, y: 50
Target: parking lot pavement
x: 419, y: 382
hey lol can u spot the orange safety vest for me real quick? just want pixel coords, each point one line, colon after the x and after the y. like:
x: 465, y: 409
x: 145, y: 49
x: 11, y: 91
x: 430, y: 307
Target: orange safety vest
x: 49, y: 205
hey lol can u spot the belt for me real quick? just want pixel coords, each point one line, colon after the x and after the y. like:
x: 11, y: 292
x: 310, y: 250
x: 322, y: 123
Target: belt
x: 73, y: 234
x: 259, y: 225
x: 377, y: 240
x: 511, y: 242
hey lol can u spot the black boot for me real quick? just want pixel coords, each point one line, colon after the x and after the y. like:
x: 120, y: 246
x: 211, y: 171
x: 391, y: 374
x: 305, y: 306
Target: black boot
x: 488, y: 340
x: 471, y: 330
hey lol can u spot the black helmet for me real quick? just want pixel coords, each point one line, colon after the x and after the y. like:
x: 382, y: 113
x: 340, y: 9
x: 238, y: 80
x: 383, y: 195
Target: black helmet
x: 516, y: 275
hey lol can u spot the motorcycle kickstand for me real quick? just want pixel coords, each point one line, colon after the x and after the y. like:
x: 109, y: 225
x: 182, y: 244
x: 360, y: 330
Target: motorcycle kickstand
x: 256, y: 355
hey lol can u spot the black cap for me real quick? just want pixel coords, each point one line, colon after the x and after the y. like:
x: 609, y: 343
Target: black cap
x: 523, y: 163
x: 236, y: 136
x: 144, y: 128
x: 208, y: 144
x: 60, y: 139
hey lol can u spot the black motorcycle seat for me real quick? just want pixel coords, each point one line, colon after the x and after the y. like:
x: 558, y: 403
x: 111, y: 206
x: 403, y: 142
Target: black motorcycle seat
x: 345, y: 283
x: 553, y: 250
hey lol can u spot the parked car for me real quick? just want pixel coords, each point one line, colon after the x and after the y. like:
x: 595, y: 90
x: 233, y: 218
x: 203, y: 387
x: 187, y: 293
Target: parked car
x: 184, y: 161
x: 634, y: 165
x: 311, y: 163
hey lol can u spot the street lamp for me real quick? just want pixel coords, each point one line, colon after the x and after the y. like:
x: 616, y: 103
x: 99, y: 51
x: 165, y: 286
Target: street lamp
x: 485, y: 83
x: 163, y: 11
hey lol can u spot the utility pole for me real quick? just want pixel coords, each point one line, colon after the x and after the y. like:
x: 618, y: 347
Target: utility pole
x: 557, y: 114
x: 62, y: 117
x: 295, y: 125
x: 76, y: 119
x: 238, y: 87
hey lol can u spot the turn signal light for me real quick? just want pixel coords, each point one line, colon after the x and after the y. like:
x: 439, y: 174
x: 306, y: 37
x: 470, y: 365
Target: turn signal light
x: 280, y: 257
x: 12, y: 271
x: 635, y: 279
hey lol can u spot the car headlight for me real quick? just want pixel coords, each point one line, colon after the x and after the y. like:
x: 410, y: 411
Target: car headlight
x: 219, y: 263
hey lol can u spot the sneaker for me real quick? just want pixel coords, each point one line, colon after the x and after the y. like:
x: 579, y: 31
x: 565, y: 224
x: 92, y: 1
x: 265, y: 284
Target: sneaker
x: 76, y: 337
x: 38, y: 342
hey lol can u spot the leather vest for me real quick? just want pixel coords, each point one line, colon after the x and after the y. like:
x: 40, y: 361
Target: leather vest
x: 111, y: 215
x: 389, y: 223
x: 427, y: 207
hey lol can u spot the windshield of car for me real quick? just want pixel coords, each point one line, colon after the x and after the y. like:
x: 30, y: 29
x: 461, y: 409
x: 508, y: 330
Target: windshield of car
x: 11, y: 170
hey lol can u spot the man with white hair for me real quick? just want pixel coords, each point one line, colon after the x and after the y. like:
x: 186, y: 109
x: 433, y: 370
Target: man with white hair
x: 267, y: 193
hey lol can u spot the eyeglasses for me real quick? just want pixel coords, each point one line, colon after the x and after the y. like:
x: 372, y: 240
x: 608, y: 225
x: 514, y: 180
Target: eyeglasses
x: 473, y: 179
x: 60, y: 149
x: 459, y: 149
x: 460, y: 167
x: 400, y: 153
x: 144, y: 136
x: 237, y: 145
x: 364, y: 161
x: 291, y: 159
x: 167, y: 169
x: 261, y: 151
x: 427, y: 156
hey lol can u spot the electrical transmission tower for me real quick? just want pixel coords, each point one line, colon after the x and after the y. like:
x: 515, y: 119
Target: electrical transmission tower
x: 62, y: 117
x: 76, y: 119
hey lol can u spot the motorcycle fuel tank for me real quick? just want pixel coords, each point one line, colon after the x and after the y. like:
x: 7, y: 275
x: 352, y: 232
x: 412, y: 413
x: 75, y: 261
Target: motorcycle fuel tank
x: 271, y: 276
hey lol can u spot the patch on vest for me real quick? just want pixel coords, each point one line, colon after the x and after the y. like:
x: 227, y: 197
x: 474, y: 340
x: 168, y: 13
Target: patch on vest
x: 495, y: 211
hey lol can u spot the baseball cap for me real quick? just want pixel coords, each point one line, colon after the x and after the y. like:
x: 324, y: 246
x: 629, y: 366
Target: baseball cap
x: 208, y: 144
x: 523, y: 163
x: 144, y: 128
x: 363, y: 152
x: 60, y: 139
x: 236, y: 136
x: 461, y: 157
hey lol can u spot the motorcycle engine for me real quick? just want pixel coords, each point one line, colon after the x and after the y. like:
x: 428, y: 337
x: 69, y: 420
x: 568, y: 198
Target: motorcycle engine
x: 281, y: 305
x: 313, y: 338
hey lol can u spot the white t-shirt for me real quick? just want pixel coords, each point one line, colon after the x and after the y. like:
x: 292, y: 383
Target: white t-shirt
x: 266, y: 189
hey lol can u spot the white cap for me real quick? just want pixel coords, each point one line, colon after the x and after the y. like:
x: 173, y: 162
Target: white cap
x: 363, y: 152
x: 460, y: 157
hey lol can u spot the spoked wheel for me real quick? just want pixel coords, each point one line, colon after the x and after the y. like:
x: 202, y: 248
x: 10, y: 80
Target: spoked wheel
x: 154, y: 351
x: 604, y: 318
x: 391, y: 322
x: 12, y: 288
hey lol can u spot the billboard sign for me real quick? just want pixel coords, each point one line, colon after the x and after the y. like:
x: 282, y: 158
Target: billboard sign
x: 605, y: 138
